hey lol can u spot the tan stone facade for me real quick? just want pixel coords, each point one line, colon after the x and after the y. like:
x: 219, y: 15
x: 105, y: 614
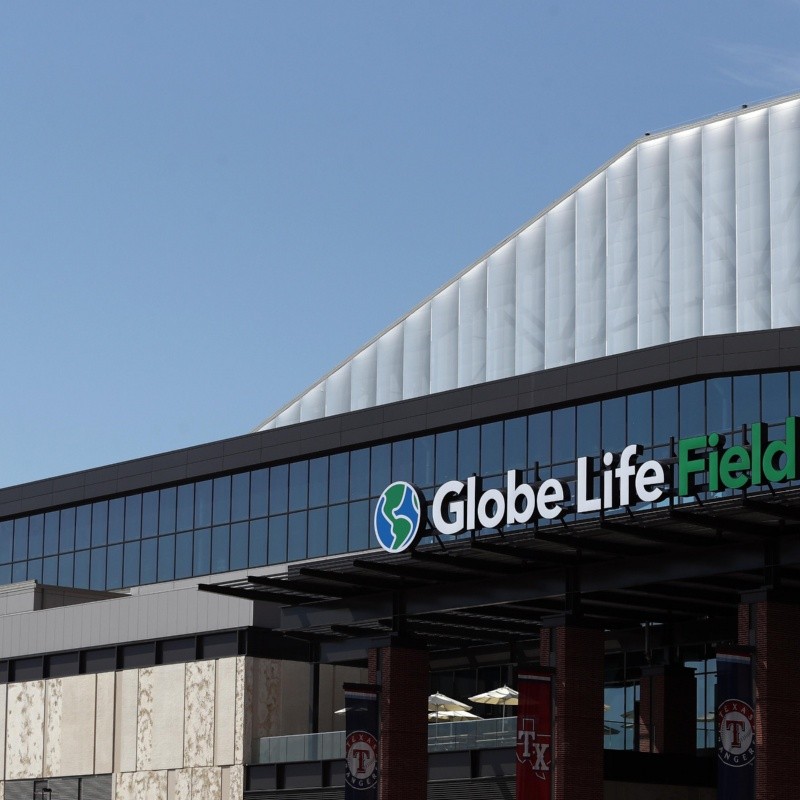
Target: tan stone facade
x: 170, y: 732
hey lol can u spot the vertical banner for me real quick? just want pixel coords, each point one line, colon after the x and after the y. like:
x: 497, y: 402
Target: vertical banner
x: 736, y: 739
x: 534, y: 735
x: 361, y: 742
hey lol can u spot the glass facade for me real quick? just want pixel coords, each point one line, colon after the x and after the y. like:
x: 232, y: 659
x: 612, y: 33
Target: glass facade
x: 324, y: 505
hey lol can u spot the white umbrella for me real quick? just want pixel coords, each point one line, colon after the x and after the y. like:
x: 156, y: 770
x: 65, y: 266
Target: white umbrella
x: 501, y: 696
x: 438, y: 702
x: 609, y: 731
x: 458, y: 715
x: 340, y: 711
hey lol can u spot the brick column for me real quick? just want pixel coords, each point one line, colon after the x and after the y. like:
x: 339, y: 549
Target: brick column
x: 576, y: 652
x: 668, y: 710
x: 772, y: 628
x: 402, y: 673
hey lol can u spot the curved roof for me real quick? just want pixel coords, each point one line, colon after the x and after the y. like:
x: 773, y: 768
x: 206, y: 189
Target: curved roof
x: 690, y: 232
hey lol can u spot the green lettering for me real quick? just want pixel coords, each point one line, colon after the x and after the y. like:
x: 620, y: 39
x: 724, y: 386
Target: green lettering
x: 688, y: 466
x: 735, y: 461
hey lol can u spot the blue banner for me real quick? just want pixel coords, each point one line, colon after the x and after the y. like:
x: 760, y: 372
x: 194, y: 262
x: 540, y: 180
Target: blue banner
x: 361, y: 768
x: 736, y: 735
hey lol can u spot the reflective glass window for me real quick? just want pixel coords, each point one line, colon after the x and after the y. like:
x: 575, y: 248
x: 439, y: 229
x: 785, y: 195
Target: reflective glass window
x: 278, y: 489
x: 794, y: 390
x: 317, y: 532
x: 588, y: 419
x: 297, y: 536
x: 220, y: 548
x: 665, y: 415
x: 50, y: 570
x: 258, y: 543
x: 539, y: 438
x: 318, y: 482
x: 339, y: 478
x: 35, y: 536
x: 640, y: 419
x: 423, y: 461
x: 563, y: 435
x: 402, y: 466
x: 276, y: 549
x: 719, y: 405
x: 5, y: 574
x: 149, y: 514
x: 298, y: 485
x: 98, y: 569
x: 65, y: 566
x: 20, y: 539
x: 166, y: 510
x: 183, y: 554
x: 221, y: 507
x: 35, y: 570
x: 100, y: 524
x: 148, y: 567
x: 240, y: 496
x: 20, y: 572
x: 692, y: 409
x: 775, y: 396
x: 259, y: 493
x: 67, y: 530
x: 116, y: 520
x: 185, y: 515
x: 380, y: 468
x: 446, y: 458
x: 166, y: 558
x: 239, y: 536
x: 613, y: 430
x: 6, y: 541
x: 746, y: 400
x: 469, y: 452
x: 113, y: 567
x: 81, y: 566
x: 133, y: 517
x: 83, y: 527
x: 337, y: 529
x: 515, y: 444
x: 51, y: 534
x: 130, y: 564
x: 202, y: 504
x: 359, y: 528
x: 359, y: 474
x: 492, y: 448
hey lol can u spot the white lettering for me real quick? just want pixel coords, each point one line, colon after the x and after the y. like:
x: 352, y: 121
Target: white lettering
x: 453, y: 523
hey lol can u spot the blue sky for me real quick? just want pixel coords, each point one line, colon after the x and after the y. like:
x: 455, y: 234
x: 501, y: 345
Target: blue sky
x: 205, y: 206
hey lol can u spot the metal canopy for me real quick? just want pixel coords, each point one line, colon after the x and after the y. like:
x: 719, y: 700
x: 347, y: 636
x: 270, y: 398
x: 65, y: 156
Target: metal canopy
x: 670, y: 566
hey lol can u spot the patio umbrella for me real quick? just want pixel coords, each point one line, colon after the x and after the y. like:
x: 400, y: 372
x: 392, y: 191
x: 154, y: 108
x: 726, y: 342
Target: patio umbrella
x: 609, y: 731
x: 501, y: 696
x: 438, y: 702
x: 458, y: 715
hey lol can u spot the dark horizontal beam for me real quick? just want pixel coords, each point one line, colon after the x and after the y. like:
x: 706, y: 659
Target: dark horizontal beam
x: 527, y: 554
x: 304, y: 588
x: 470, y: 564
x: 683, y: 565
x: 736, y: 527
x: 593, y: 544
x: 404, y: 570
x: 282, y: 598
x: 364, y: 581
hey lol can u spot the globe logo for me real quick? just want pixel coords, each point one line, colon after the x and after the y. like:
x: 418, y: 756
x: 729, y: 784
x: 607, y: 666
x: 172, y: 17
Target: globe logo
x: 397, y: 517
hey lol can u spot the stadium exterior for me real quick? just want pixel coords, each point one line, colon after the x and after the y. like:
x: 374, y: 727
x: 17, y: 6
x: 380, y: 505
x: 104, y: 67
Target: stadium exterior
x: 598, y: 421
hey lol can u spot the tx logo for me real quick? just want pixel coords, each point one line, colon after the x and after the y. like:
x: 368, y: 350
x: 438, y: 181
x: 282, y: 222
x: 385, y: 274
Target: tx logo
x: 533, y: 748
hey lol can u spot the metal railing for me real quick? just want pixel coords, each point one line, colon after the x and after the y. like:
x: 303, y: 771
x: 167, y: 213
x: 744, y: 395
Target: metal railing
x: 442, y: 737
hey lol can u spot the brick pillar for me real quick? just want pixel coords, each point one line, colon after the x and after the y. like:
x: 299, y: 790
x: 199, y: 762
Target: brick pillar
x: 771, y: 628
x: 576, y: 652
x: 668, y: 710
x: 403, y: 675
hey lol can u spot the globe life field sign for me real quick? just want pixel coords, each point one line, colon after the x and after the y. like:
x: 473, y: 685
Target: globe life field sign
x: 622, y: 479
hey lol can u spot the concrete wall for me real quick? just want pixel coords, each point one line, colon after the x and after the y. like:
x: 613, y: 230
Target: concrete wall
x: 166, y: 733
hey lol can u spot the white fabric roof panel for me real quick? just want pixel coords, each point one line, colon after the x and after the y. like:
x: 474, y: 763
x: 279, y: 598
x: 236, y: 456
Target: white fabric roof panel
x: 688, y: 232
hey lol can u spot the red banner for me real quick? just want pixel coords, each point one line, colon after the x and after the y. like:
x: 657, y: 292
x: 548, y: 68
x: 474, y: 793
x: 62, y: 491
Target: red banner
x: 534, y: 735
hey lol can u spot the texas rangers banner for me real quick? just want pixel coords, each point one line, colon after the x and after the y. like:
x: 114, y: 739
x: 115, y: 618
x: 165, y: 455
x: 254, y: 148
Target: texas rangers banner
x: 736, y: 740
x: 361, y: 742
x: 534, y: 735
